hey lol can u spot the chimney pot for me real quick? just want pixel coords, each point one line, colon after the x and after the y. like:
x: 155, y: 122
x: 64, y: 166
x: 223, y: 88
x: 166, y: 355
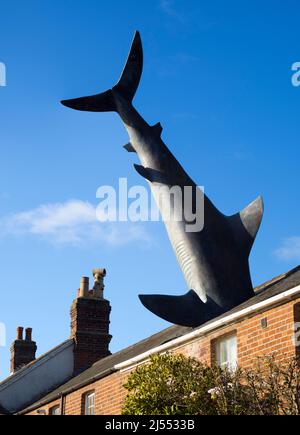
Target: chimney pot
x: 28, y: 333
x: 84, y: 287
x: 98, y: 288
x: 22, y: 352
x: 20, y: 333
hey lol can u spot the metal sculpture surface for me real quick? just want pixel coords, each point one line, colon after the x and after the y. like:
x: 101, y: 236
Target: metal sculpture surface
x: 214, y: 261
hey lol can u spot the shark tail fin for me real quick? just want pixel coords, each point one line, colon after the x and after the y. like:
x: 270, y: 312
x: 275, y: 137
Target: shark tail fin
x: 126, y: 86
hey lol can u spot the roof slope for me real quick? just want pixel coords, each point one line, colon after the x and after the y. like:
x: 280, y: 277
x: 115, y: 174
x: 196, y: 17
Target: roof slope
x: 37, y: 378
x: 106, y: 365
x: 3, y: 411
x: 36, y: 361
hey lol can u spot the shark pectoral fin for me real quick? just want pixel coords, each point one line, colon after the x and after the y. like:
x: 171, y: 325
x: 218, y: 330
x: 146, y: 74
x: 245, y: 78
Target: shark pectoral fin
x: 186, y: 310
x: 157, y: 128
x: 144, y: 172
x: 128, y: 147
x: 152, y: 175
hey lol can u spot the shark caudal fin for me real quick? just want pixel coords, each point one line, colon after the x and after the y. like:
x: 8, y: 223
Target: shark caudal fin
x: 126, y: 86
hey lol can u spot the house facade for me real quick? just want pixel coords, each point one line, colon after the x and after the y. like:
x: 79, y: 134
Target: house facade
x: 268, y: 323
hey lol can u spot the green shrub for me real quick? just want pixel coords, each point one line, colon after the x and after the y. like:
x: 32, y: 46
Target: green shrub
x: 171, y: 384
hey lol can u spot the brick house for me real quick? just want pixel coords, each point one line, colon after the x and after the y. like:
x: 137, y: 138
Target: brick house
x: 80, y: 376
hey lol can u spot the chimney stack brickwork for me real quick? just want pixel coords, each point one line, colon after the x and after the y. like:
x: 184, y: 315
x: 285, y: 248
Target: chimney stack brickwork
x: 22, y: 352
x: 89, y: 326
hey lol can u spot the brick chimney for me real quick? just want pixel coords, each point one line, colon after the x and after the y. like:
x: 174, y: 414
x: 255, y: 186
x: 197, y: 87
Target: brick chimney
x: 90, y: 323
x: 22, y: 352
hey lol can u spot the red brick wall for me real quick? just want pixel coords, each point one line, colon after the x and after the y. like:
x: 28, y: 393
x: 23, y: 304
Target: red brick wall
x: 253, y: 341
x: 109, y: 395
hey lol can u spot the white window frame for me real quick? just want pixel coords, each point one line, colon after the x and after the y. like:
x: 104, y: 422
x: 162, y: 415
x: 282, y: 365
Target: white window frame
x: 89, y: 403
x: 52, y: 411
x: 226, y: 351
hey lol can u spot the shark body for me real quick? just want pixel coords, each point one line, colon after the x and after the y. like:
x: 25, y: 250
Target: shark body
x: 214, y: 260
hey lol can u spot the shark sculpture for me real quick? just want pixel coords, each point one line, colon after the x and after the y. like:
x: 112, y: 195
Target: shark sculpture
x: 214, y: 260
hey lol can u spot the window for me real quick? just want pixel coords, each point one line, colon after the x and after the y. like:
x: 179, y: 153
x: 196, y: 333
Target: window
x: 226, y: 351
x: 89, y: 404
x: 55, y: 410
x: 296, y: 337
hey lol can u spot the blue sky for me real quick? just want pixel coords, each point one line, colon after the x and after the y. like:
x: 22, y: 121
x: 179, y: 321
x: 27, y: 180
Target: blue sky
x: 217, y: 75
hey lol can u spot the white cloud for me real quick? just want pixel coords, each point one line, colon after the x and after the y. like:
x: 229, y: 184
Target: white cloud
x: 73, y: 222
x: 290, y: 249
x: 167, y: 6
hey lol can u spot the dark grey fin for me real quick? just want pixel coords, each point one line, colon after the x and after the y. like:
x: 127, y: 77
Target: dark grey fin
x: 126, y: 86
x: 128, y: 147
x: 251, y: 216
x: 186, y: 310
x: 246, y: 224
x: 96, y: 103
x: 153, y: 175
x: 131, y: 75
x: 144, y: 172
x: 157, y: 128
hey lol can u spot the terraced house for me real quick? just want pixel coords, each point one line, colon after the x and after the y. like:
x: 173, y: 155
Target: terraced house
x: 81, y: 376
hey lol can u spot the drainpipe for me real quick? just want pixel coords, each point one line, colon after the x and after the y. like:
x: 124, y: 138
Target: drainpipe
x: 62, y: 404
